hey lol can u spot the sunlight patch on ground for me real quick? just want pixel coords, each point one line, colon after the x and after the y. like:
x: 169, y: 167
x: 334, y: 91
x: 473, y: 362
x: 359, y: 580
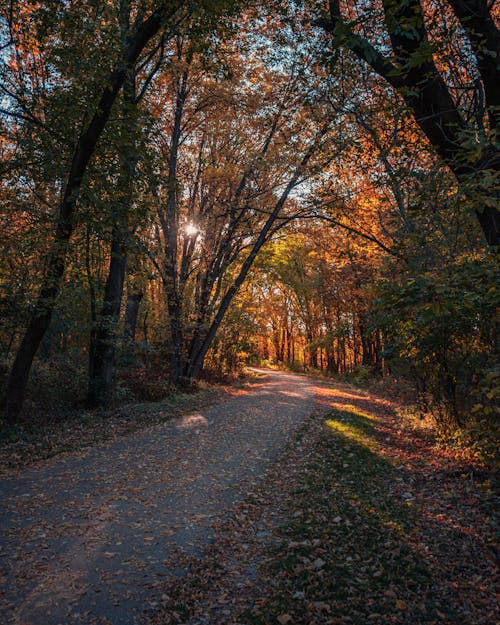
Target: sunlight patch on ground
x: 350, y: 431
x: 335, y: 392
x: 354, y: 410
x: 192, y: 421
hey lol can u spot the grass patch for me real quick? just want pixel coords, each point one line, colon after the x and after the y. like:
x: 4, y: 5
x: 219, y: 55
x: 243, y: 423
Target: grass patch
x: 345, y: 556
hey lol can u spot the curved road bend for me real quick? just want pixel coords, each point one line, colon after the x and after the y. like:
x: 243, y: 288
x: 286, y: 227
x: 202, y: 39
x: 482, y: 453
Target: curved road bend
x: 86, y: 538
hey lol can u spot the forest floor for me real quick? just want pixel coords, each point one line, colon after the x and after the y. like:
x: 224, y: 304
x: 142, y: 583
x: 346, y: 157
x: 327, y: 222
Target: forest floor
x: 43, y: 437
x: 366, y: 519
x: 293, y: 501
x: 89, y: 536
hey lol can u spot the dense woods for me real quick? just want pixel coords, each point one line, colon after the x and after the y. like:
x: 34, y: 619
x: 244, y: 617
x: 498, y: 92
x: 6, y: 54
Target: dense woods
x: 191, y: 187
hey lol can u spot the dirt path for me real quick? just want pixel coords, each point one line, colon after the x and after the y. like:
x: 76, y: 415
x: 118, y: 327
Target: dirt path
x: 88, y: 538
x: 364, y: 520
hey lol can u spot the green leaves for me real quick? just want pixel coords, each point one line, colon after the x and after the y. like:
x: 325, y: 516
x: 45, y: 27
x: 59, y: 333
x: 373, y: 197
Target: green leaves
x: 441, y: 325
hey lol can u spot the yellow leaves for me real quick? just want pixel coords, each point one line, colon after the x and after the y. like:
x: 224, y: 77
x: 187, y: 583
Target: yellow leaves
x: 13, y: 64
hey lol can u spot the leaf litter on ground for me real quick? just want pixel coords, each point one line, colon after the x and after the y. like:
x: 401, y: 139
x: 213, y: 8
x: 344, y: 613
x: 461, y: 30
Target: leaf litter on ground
x: 364, y: 520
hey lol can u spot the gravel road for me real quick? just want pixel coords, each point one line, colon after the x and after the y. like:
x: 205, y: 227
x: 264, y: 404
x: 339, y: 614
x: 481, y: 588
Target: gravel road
x: 89, y: 537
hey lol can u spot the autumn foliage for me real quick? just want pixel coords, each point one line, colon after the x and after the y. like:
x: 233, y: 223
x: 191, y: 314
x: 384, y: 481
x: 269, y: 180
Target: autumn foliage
x: 189, y: 188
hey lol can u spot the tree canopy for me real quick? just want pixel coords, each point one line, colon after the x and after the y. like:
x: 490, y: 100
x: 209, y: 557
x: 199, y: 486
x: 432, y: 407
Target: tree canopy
x: 189, y: 187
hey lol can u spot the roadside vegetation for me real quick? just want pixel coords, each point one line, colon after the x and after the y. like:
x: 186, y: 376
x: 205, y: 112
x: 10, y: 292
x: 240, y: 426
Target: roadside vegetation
x: 189, y: 188
x: 367, y: 519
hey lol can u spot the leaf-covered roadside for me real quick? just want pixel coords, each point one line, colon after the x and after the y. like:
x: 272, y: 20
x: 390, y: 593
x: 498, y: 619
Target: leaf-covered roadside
x: 31, y: 442
x: 377, y: 525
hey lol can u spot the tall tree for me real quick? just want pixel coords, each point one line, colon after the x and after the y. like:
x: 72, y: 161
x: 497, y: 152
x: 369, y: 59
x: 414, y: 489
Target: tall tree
x: 467, y: 146
x: 104, y: 335
x: 227, y: 158
x: 165, y: 16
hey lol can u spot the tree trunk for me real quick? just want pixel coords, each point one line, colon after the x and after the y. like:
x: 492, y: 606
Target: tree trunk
x: 173, y: 281
x: 176, y: 350
x: 289, y: 346
x: 56, y: 259
x: 102, y: 368
x: 134, y: 299
x: 104, y: 347
x: 366, y: 344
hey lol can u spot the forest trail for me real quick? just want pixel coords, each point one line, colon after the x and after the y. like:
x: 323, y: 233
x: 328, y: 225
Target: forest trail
x: 366, y: 519
x: 88, y: 538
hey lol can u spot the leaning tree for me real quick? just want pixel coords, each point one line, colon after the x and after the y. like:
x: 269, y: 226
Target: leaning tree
x: 409, y: 53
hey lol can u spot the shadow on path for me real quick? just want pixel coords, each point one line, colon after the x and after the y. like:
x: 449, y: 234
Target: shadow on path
x: 87, y: 538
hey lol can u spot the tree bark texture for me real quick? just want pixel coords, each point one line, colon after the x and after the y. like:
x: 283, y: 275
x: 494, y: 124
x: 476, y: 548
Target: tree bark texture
x: 56, y: 259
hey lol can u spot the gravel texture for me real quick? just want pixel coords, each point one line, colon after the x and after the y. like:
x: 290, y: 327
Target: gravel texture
x: 88, y: 538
